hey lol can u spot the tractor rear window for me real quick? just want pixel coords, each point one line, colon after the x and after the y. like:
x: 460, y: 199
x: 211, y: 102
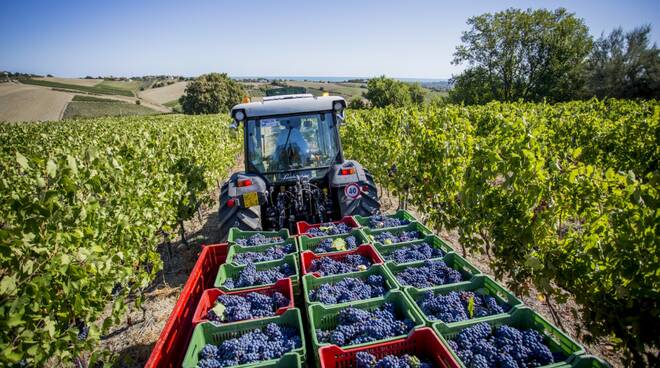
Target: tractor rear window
x: 292, y: 142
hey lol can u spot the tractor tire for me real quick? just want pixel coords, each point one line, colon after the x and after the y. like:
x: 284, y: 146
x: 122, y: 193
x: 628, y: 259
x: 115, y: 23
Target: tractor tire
x: 236, y: 216
x: 368, y: 203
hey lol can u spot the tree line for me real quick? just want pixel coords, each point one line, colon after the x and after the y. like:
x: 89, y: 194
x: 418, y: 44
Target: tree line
x: 537, y: 55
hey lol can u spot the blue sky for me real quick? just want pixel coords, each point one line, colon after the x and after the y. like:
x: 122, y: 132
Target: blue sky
x: 302, y: 38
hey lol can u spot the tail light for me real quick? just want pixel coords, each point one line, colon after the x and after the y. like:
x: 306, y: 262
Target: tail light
x: 231, y: 202
x: 350, y: 171
x: 244, y: 183
x: 365, y: 189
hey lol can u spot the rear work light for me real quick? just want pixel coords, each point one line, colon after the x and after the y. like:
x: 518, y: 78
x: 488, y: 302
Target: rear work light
x: 244, y: 183
x: 350, y: 171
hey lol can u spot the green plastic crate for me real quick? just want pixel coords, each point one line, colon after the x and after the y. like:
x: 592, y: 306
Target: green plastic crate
x: 400, y: 214
x: 289, y: 360
x: 326, y: 317
x: 209, y: 333
x: 453, y: 260
x: 371, y: 234
x: 235, y: 249
x: 229, y: 270
x: 236, y: 233
x: 307, y: 243
x: 589, y: 361
x: 432, y: 240
x: 311, y: 283
x: 483, y: 285
x: 524, y: 318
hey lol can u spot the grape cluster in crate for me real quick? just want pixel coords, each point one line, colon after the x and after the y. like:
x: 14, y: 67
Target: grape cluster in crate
x: 378, y: 291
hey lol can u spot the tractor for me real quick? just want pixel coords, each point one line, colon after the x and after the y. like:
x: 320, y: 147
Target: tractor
x: 294, y: 167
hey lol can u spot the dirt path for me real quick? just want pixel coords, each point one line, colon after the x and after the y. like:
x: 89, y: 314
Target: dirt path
x: 20, y: 102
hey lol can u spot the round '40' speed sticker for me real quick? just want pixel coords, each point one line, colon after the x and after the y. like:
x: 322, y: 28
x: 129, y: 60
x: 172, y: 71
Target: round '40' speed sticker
x: 352, y: 191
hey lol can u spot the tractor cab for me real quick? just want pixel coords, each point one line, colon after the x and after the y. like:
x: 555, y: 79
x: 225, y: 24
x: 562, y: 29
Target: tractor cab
x: 294, y: 166
x: 279, y: 146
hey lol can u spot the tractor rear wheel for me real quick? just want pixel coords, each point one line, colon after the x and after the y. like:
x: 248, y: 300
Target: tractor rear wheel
x: 236, y: 216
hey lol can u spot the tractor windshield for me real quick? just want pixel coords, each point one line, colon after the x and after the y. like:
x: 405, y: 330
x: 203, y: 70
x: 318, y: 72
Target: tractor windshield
x: 293, y: 142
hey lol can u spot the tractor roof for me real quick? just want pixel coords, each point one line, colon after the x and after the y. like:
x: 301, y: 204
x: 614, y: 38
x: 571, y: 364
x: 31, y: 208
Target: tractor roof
x: 287, y: 104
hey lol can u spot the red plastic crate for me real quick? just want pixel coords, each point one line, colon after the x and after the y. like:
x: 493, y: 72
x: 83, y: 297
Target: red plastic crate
x: 209, y: 297
x: 303, y: 227
x: 366, y: 250
x: 422, y: 342
x: 171, y: 346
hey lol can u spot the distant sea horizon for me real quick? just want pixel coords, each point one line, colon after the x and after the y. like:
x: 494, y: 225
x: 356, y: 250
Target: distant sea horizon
x: 334, y: 79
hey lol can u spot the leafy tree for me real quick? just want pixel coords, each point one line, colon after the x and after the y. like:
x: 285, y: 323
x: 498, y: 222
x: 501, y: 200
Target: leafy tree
x: 357, y: 103
x: 417, y: 93
x: 383, y: 91
x: 624, y: 66
x: 515, y: 54
x: 211, y: 94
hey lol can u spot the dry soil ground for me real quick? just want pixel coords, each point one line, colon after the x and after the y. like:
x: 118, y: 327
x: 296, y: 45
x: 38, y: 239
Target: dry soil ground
x: 132, y: 342
x: 164, y: 94
x: 20, y: 102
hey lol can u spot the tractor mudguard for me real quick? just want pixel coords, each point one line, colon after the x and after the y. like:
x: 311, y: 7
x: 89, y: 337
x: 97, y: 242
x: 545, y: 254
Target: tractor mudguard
x: 349, y: 172
x: 257, y: 184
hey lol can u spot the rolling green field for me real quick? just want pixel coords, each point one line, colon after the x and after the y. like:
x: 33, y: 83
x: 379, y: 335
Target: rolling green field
x: 105, y: 87
x: 85, y: 109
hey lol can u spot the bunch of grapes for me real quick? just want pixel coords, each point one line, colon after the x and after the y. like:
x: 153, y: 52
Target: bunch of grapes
x: 336, y: 244
x: 432, y: 273
x: 388, y: 238
x: 252, y: 305
x: 270, y: 342
x: 415, y: 252
x: 83, y: 329
x: 364, y: 359
x: 332, y: 266
x: 249, y: 276
x: 272, y: 253
x: 329, y: 229
x: 459, y: 305
x: 258, y: 239
x: 505, y: 346
x: 381, y: 221
x: 348, y: 290
x: 358, y: 326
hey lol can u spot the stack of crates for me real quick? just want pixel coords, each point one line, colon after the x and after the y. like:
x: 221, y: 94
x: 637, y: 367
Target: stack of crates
x: 428, y: 340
